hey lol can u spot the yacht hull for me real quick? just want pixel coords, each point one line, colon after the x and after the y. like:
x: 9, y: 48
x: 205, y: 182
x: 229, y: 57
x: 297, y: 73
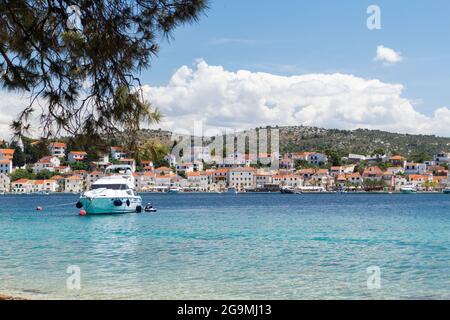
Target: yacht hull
x: 110, y: 205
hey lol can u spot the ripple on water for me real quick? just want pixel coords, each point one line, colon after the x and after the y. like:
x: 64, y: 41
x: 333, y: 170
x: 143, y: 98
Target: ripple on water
x: 231, y: 247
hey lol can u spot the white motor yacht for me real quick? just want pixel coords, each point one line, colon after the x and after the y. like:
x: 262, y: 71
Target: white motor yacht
x: 407, y: 189
x: 113, y: 193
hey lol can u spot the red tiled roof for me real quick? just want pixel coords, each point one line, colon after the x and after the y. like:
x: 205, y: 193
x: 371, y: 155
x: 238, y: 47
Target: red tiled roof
x: 46, y: 159
x: 58, y: 145
x: 196, y: 174
x: 74, y: 178
x: 246, y: 169
x: 7, y: 153
x: 21, y: 181
x: 163, y: 169
x: 222, y: 170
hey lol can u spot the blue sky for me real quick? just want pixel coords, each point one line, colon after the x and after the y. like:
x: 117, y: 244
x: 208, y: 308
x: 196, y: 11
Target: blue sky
x: 293, y: 37
x: 308, y: 62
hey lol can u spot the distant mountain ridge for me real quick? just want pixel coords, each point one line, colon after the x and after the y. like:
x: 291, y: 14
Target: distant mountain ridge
x: 360, y: 141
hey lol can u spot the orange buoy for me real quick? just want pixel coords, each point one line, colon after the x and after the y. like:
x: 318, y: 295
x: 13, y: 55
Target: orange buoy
x: 39, y: 208
x: 82, y: 212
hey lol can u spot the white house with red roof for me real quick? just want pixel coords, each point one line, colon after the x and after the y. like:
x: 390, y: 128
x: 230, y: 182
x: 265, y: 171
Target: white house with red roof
x: 355, y: 178
x: 415, y: 168
x: 58, y: 149
x: 338, y: 170
x: 373, y: 173
x: 291, y: 180
x: 102, y: 163
x: 145, y: 181
x: 118, y: 153
x: 62, y: 169
x: 184, y: 167
x: 178, y: 182
x: 7, y: 153
x: 76, y: 156
x: 45, y: 185
x: 241, y: 178
x: 129, y: 162
x: 197, y: 181
x: 6, y: 157
x: 164, y: 181
x: 163, y: 170
x: 262, y: 179
x: 49, y: 163
x: 22, y: 186
x: 74, y: 184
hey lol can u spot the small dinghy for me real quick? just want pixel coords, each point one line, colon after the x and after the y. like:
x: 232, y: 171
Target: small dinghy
x: 149, y: 208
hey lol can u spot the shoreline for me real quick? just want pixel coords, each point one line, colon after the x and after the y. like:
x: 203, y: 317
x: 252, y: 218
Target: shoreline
x: 248, y: 192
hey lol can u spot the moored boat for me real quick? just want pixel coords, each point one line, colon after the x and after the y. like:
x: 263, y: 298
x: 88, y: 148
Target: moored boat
x: 114, y: 193
x: 149, y: 208
x: 287, y: 190
x: 446, y: 190
x: 175, y: 190
x: 408, y: 189
x: 311, y: 189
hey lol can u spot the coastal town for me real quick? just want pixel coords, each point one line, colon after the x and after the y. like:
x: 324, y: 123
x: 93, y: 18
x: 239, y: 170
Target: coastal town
x: 297, y: 172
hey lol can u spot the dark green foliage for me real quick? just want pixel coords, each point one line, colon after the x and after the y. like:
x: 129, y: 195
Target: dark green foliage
x: 79, y: 166
x: 82, y: 59
x: 161, y: 163
x: 374, y: 185
x: 22, y: 174
x: 334, y: 158
x: 19, y: 157
x: 44, y: 174
x: 419, y: 156
x: 34, y: 152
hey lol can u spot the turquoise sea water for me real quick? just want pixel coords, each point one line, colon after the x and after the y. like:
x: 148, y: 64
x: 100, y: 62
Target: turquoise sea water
x: 226, y: 246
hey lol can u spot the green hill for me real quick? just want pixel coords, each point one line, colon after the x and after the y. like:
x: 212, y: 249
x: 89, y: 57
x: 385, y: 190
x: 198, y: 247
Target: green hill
x: 361, y: 141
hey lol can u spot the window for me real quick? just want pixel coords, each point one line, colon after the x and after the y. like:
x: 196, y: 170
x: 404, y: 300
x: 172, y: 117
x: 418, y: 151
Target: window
x: 110, y: 186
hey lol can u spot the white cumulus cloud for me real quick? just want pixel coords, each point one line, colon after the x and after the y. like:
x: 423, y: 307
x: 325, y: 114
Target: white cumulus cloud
x: 387, y: 55
x: 244, y: 99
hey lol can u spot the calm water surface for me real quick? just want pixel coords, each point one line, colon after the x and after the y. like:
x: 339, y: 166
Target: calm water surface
x: 226, y: 246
